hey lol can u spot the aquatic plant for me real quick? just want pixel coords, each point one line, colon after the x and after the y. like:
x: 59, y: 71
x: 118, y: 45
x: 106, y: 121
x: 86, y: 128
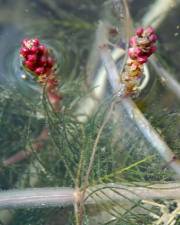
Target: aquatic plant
x: 90, y: 157
x: 39, y: 61
x: 142, y: 47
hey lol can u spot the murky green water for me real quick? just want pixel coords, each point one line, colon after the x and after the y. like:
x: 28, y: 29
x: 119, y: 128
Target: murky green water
x: 69, y: 28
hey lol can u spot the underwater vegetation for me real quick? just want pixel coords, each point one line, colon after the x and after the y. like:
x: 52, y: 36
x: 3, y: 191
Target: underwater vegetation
x: 89, y: 113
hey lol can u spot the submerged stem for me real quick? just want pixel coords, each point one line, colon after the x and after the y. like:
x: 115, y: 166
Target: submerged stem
x: 58, y: 197
x: 37, y: 197
x: 167, y: 78
x: 89, y: 169
x: 96, y: 143
x: 137, y: 117
x: 117, y: 192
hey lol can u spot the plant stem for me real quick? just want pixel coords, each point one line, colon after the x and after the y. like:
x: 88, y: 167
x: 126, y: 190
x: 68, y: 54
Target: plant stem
x: 150, y: 133
x: 117, y: 191
x: 37, y: 197
x: 58, y: 197
x: 37, y: 146
x: 134, y: 113
x: 89, y: 169
x: 166, y: 78
x: 158, y: 11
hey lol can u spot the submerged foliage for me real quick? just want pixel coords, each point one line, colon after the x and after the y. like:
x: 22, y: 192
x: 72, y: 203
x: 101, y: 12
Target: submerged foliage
x: 94, y: 153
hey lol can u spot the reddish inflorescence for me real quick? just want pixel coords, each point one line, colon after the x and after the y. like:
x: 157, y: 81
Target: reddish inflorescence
x: 38, y: 60
x: 142, y: 46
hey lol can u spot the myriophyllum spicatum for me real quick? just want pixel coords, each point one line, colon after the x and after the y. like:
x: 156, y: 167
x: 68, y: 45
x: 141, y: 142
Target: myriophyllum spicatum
x: 142, y: 46
x: 40, y: 62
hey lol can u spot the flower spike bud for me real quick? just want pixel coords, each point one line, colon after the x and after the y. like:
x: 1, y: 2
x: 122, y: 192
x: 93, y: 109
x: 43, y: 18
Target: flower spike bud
x: 37, y: 59
x: 142, y: 46
x: 139, y: 31
x: 40, y: 62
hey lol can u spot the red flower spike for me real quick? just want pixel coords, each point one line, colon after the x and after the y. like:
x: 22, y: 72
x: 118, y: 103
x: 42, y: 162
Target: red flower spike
x: 153, y: 37
x: 32, y: 58
x: 34, y: 49
x: 37, y: 59
x: 149, y: 30
x: 50, y: 62
x: 142, y: 59
x: 133, y: 41
x: 139, y: 31
x: 43, y: 60
x: 39, y: 70
x: 30, y: 65
x: 53, y: 97
x: 137, y: 51
x: 42, y: 49
x: 141, y: 47
x: 36, y: 42
x: 52, y: 83
x: 24, y: 42
x: 134, y: 66
x: 36, y: 56
x: 24, y: 51
x: 153, y: 49
x: 131, y: 53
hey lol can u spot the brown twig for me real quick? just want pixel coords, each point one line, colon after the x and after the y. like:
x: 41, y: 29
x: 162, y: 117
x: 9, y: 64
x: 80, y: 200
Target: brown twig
x: 37, y: 146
